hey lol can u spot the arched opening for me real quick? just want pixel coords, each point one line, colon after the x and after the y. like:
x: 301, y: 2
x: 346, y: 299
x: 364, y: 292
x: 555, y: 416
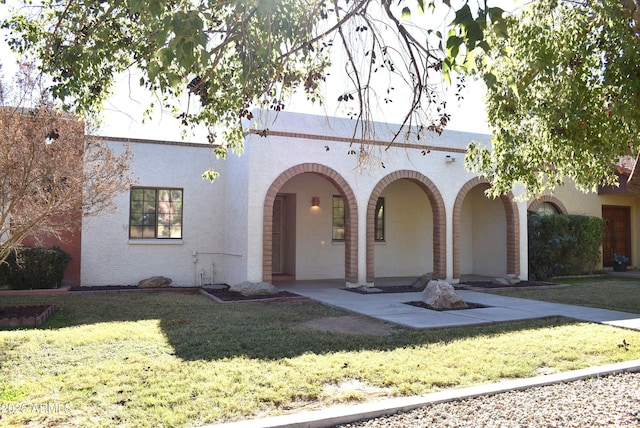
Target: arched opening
x: 416, y: 222
x: 546, y: 205
x: 313, y: 178
x: 486, y: 232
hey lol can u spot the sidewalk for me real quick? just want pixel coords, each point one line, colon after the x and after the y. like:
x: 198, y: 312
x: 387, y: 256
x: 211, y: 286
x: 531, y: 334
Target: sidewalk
x: 391, y: 307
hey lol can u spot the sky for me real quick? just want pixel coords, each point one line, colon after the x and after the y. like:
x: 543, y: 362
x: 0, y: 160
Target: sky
x: 123, y: 115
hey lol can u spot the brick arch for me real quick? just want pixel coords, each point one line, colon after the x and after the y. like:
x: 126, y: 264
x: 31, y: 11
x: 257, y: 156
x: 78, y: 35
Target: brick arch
x: 351, y: 217
x: 513, y: 227
x: 439, y: 219
x: 549, y: 199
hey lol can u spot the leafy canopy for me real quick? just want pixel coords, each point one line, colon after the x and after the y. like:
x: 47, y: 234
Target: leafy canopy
x: 213, y: 61
x: 563, y: 95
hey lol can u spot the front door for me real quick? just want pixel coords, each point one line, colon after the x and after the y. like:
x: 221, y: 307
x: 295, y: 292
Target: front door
x: 617, y: 233
x: 283, y: 235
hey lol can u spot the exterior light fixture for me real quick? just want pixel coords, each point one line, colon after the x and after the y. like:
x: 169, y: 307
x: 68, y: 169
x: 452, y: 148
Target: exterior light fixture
x: 315, y: 201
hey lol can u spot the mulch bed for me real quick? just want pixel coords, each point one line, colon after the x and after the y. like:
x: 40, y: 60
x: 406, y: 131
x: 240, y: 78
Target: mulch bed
x: 386, y: 289
x: 491, y: 284
x: 24, y: 316
x: 462, y: 286
x: 220, y: 294
x: 426, y: 306
x: 107, y: 289
x: 223, y: 295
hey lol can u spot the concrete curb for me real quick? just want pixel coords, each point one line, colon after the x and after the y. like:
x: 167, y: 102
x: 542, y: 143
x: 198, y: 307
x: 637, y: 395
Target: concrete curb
x: 346, y: 414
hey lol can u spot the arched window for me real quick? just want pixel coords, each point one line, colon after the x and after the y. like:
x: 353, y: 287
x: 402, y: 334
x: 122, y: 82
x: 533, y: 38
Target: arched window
x: 547, y: 208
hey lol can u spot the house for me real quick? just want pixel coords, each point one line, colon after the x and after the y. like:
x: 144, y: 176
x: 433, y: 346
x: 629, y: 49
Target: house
x: 619, y: 206
x: 308, y: 201
x: 305, y: 201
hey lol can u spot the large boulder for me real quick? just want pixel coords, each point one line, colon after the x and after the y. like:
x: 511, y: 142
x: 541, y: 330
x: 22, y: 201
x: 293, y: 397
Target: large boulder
x: 254, y: 288
x: 507, y: 280
x: 155, y: 281
x: 441, y: 295
x: 421, y: 282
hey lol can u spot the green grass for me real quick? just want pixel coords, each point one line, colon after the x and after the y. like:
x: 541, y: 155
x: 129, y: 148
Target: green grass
x: 607, y: 292
x: 169, y: 359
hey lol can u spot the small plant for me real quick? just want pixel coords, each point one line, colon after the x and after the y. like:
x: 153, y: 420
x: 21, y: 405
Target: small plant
x: 620, y: 259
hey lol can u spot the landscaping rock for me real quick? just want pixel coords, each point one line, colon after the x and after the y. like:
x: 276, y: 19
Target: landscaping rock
x: 155, y: 281
x: 421, y: 282
x: 254, y: 288
x: 441, y: 295
x: 507, y: 280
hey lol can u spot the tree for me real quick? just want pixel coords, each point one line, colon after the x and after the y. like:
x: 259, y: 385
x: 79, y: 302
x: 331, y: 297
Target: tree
x: 563, y: 95
x: 50, y: 172
x: 213, y: 61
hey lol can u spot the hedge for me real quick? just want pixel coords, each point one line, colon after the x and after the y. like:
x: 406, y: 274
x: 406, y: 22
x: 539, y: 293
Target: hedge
x: 33, y: 268
x: 563, y: 244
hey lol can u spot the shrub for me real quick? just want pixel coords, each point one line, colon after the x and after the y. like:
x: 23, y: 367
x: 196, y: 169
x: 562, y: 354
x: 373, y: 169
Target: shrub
x: 29, y: 268
x: 563, y: 244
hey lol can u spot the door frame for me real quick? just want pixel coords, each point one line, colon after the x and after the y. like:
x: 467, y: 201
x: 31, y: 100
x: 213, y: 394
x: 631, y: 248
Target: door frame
x: 617, y: 218
x: 287, y: 234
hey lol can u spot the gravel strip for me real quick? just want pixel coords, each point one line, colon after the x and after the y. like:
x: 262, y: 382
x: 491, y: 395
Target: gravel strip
x: 609, y: 401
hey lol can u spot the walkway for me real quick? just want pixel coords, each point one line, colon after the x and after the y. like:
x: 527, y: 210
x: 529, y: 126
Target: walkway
x: 391, y: 307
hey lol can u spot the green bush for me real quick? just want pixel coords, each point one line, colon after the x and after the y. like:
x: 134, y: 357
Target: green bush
x: 563, y: 244
x: 30, y: 268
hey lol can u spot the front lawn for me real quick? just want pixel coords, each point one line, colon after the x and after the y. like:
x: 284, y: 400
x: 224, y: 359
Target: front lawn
x: 172, y: 359
x: 606, y: 292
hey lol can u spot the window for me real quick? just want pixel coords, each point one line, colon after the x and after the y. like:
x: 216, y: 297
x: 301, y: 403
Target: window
x: 547, y: 208
x: 378, y: 225
x: 337, y: 223
x: 155, y: 213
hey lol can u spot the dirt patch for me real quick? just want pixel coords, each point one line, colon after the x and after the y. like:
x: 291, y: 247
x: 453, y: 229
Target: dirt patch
x: 353, y: 390
x: 349, y: 324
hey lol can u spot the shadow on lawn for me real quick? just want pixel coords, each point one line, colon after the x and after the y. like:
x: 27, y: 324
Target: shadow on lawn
x: 198, y: 328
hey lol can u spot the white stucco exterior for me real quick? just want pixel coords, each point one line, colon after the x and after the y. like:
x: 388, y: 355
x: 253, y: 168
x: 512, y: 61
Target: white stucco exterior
x: 302, y: 157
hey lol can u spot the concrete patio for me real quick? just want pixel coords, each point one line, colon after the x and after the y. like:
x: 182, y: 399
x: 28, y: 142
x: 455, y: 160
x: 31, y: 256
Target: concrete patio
x: 392, y: 307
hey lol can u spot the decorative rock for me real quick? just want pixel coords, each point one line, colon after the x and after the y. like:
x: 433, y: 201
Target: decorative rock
x: 254, y: 288
x: 421, y: 282
x: 442, y: 295
x: 155, y: 281
x: 507, y: 280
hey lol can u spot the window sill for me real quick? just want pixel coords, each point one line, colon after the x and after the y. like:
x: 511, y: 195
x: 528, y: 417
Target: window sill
x: 155, y: 241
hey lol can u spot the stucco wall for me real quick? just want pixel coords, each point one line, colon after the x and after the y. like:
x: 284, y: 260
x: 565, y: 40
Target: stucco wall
x: 317, y: 256
x: 109, y: 257
x: 294, y: 139
x: 224, y: 222
x: 408, y: 246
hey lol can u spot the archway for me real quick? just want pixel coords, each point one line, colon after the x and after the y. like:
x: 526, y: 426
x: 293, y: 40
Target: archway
x: 547, y: 199
x: 439, y: 220
x: 351, y: 217
x: 512, y: 224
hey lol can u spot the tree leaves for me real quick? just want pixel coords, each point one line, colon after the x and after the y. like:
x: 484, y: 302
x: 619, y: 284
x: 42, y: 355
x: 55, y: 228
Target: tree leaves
x: 562, y: 97
x: 250, y: 53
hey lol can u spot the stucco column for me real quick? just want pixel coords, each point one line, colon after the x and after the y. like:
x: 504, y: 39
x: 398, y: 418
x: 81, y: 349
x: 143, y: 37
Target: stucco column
x: 362, y: 241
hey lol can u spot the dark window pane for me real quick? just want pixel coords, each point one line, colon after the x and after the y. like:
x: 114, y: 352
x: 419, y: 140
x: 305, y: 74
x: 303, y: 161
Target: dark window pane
x: 338, y: 219
x: 155, y: 213
x: 379, y: 220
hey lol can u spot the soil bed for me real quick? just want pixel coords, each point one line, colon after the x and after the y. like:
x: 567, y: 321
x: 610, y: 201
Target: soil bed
x: 24, y: 316
x: 385, y: 289
x: 491, y: 284
x: 462, y: 286
x: 223, y: 295
x: 431, y: 308
x: 107, y: 289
